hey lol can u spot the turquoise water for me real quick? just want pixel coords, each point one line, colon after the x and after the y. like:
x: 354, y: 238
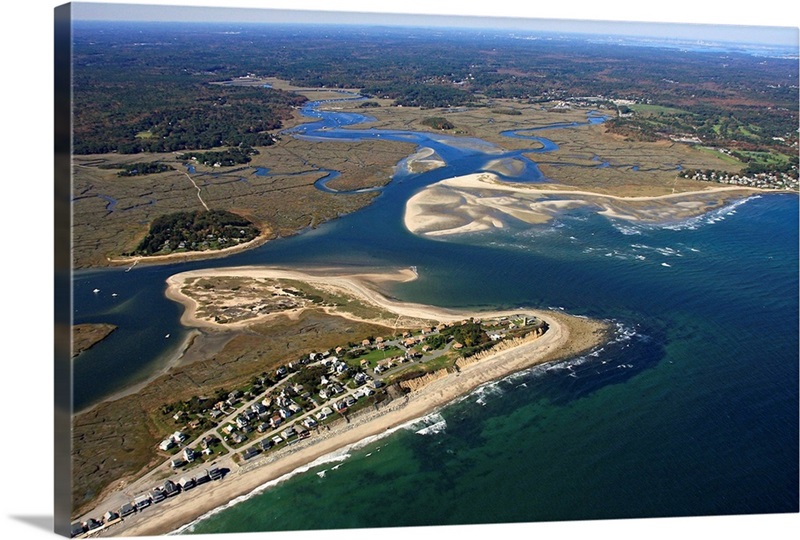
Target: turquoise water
x: 690, y: 409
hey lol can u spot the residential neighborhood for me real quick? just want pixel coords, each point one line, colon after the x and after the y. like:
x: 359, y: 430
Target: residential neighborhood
x: 298, y: 400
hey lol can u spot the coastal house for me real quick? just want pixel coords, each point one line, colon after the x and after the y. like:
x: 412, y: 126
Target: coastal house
x: 215, y: 473
x: 186, y: 483
x: 177, y: 463
x: 126, y: 509
x: 142, y: 501
x: 201, y: 478
x: 92, y: 524
x: 288, y: 432
x: 188, y: 455
x: 77, y: 528
x: 110, y: 516
x: 250, y: 453
x: 157, y: 495
x: 265, y: 444
x: 178, y: 437
x: 169, y: 488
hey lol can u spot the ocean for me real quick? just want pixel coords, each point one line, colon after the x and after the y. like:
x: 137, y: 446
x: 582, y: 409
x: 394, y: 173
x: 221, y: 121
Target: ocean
x: 690, y: 409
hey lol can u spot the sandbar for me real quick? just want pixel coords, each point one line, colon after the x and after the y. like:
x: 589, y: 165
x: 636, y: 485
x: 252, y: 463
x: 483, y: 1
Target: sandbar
x: 481, y: 201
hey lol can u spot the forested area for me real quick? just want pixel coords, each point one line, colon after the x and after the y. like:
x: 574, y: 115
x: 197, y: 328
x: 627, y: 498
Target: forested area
x: 146, y: 87
x: 196, y: 231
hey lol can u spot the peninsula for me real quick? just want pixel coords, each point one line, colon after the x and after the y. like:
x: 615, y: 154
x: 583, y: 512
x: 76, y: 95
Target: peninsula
x: 326, y: 400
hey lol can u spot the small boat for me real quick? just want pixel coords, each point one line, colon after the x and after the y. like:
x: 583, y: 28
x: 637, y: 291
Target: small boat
x: 96, y: 291
x: 113, y: 294
x: 166, y: 337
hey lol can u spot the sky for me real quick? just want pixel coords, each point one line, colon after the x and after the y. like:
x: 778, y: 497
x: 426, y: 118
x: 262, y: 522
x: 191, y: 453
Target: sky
x: 579, y: 16
x: 27, y: 198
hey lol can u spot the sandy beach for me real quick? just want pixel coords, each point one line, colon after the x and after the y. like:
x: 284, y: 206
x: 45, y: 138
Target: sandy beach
x: 567, y: 337
x: 480, y: 201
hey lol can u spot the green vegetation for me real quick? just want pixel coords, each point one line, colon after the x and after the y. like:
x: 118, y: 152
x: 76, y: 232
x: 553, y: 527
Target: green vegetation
x: 437, y: 122
x: 373, y: 357
x: 768, y: 162
x: 508, y: 112
x: 369, y: 104
x: 196, y: 231
x: 223, y: 158
x: 140, y: 168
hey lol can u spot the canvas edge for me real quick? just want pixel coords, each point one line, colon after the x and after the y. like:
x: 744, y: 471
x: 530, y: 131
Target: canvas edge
x: 62, y: 271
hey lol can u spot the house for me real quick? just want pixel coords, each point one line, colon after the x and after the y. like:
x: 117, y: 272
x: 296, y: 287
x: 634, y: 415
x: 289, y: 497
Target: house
x: 295, y: 408
x: 285, y: 413
x: 208, y: 441
x: 262, y: 427
x: 258, y: 408
x: 188, y: 455
x: 238, y: 438
x: 250, y: 453
x: 216, y: 413
x: 126, y: 509
x: 170, y: 489
x: 178, y: 437
x: 215, y: 473
x: 92, y: 524
x: 166, y: 444
x: 350, y: 401
x: 323, y: 393
x: 186, y: 483
x: 201, y: 478
x: 276, y: 440
x: 157, y: 495
x: 109, y: 516
x: 309, y: 422
x: 76, y: 529
x: 324, y: 413
x: 458, y: 346
x: 366, y: 343
x: 288, y: 432
x: 142, y: 501
x: 276, y: 420
x: 177, y: 463
x: 265, y: 444
x: 242, y: 421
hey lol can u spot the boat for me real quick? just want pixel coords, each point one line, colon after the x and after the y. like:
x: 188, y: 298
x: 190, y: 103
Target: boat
x: 96, y: 291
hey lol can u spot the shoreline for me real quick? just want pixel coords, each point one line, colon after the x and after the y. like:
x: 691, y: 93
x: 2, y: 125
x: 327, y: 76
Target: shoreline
x: 567, y: 337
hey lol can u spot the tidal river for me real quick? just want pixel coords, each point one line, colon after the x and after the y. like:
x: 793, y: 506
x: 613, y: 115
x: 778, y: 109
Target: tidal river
x: 690, y: 409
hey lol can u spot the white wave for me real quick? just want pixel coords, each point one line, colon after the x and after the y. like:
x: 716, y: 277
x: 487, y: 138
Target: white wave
x: 627, y: 230
x: 433, y: 429
x: 710, y: 218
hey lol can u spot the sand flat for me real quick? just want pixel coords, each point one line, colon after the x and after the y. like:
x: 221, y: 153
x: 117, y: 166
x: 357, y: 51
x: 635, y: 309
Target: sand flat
x: 476, y: 202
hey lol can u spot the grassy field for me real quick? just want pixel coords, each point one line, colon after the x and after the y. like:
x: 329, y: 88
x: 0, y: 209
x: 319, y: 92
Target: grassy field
x: 645, y: 109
